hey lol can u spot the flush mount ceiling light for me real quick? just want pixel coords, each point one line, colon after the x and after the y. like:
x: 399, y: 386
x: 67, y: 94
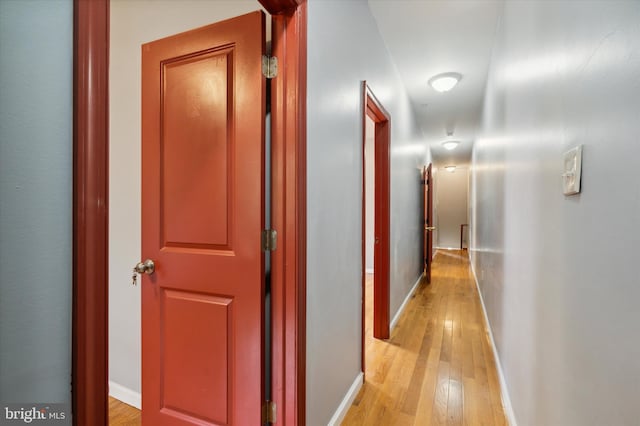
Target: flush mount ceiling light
x: 445, y: 81
x: 450, y: 169
x: 449, y: 145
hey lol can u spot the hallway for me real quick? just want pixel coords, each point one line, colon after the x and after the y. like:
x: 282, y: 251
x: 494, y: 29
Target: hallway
x: 438, y: 367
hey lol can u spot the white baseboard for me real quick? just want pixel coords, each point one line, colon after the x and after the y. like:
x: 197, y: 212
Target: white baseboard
x: 396, y: 317
x: 125, y: 395
x: 368, y: 271
x: 344, y: 406
x: 506, y: 400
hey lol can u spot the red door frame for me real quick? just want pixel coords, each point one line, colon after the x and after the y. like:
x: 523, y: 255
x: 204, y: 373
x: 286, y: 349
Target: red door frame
x: 427, y: 181
x: 289, y: 209
x: 373, y: 109
x: 90, y: 210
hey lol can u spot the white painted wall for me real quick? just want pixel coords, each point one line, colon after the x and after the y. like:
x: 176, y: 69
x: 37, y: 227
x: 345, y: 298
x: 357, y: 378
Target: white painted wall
x: 344, y: 48
x: 452, y: 196
x: 559, y: 274
x: 132, y: 24
x: 369, y: 182
x: 36, y: 167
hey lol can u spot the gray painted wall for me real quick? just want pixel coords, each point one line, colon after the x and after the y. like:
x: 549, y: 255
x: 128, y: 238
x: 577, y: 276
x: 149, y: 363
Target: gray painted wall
x: 36, y: 198
x: 344, y: 48
x: 558, y: 274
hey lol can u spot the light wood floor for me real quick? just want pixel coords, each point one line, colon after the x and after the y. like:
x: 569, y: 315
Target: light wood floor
x: 121, y: 414
x: 438, y: 367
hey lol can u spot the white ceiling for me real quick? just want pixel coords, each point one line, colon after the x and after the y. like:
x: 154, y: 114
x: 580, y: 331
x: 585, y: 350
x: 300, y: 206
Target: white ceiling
x: 428, y: 37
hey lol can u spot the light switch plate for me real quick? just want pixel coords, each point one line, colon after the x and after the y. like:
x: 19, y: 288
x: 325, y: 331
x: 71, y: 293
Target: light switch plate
x: 572, y: 171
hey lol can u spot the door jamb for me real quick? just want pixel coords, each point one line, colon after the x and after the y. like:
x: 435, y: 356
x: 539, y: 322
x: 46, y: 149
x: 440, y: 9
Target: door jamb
x: 428, y: 214
x: 288, y: 211
x: 90, y: 210
x: 382, y: 200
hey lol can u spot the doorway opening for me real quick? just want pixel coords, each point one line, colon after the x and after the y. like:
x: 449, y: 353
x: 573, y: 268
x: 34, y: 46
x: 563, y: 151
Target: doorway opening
x: 376, y: 130
x: 91, y: 211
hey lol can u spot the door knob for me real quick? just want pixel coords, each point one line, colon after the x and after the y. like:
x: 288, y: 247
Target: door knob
x: 429, y: 228
x: 146, y: 267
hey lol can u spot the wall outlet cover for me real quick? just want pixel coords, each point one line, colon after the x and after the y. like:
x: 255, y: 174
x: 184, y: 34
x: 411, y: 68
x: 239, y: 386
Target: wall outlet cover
x: 572, y: 171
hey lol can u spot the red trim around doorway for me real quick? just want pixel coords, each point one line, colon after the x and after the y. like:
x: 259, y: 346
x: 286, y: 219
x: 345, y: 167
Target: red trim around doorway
x: 277, y: 7
x: 90, y: 212
x: 288, y: 261
x: 382, y: 201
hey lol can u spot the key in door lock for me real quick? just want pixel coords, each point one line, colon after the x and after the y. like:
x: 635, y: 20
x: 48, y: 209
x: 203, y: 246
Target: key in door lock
x: 146, y: 267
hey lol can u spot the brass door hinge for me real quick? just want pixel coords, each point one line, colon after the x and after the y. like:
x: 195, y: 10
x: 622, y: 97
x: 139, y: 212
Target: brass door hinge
x: 269, y: 66
x: 269, y: 240
x: 269, y: 412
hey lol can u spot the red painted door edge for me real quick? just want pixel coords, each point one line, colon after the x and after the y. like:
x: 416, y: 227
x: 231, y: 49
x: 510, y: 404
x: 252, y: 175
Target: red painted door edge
x: 428, y: 221
x: 382, y: 201
x: 364, y: 232
x: 425, y: 197
x: 90, y: 212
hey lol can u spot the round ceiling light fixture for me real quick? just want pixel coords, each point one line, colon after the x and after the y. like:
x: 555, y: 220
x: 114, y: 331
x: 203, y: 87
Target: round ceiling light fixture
x: 450, y: 169
x: 449, y: 145
x: 445, y: 81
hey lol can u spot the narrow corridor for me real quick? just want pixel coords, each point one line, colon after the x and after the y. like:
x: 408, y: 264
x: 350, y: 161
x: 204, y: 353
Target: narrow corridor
x: 438, y: 366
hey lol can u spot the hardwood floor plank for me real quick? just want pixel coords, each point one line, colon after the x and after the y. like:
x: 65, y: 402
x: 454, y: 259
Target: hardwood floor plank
x: 468, y: 330
x: 470, y: 413
x: 419, y: 373
x: 121, y: 414
x: 456, y: 398
x: 424, y: 410
x: 441, y: 397
x: 455, y: 403
x: 483, y: 398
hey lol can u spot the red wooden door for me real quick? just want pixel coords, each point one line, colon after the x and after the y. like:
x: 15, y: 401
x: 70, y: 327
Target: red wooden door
x: 203, y: 106
x: 428, y: 220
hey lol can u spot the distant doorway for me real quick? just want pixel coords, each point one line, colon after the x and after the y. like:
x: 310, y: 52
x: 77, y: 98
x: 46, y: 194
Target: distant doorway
x: 376, y: 185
